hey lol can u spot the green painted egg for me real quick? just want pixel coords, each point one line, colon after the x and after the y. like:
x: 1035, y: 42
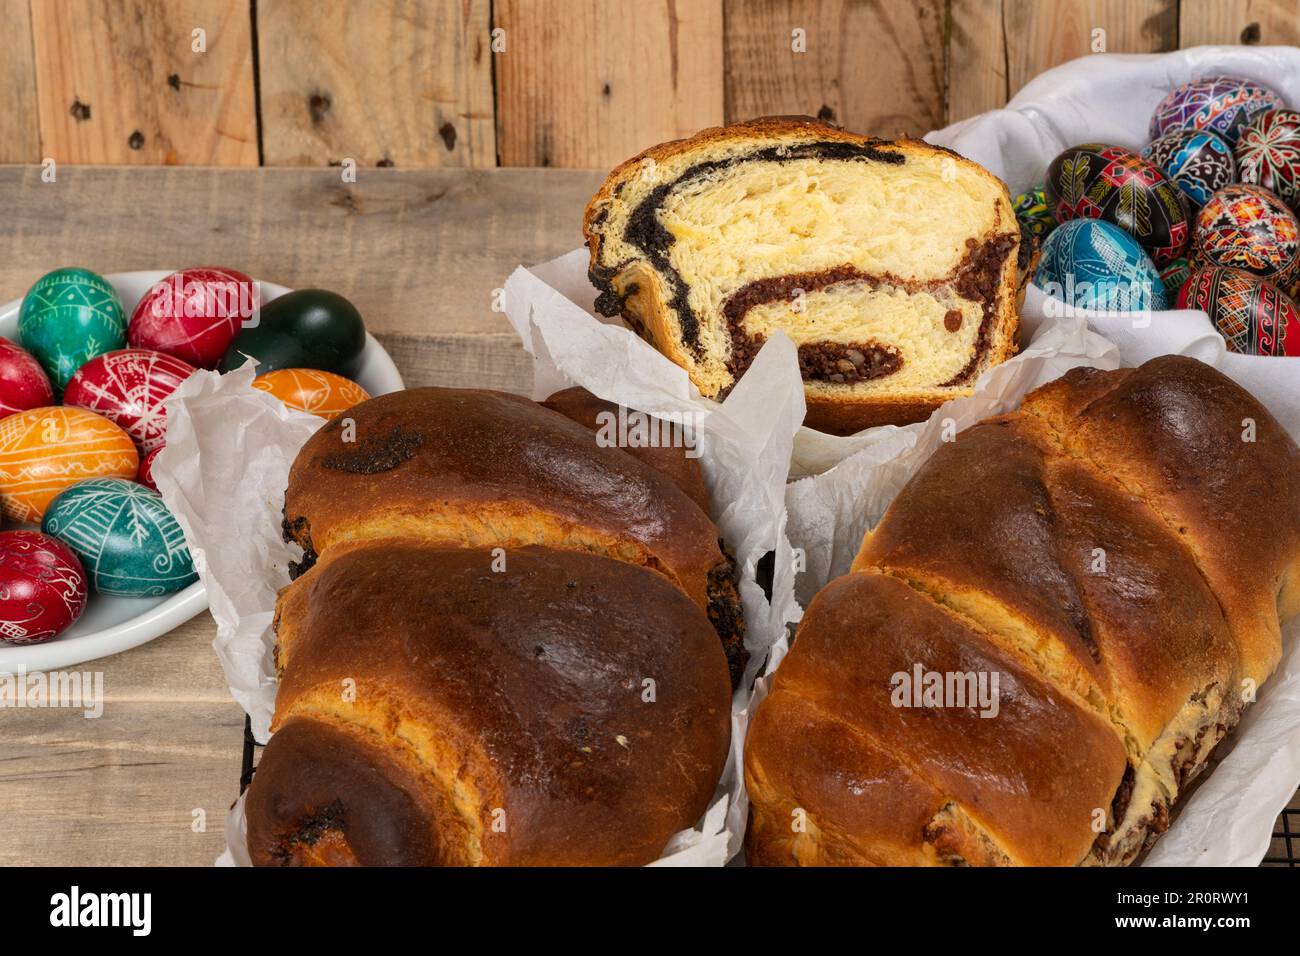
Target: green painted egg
x: 127, y: 540
x: 67, y: 317
x: 1034, y: 214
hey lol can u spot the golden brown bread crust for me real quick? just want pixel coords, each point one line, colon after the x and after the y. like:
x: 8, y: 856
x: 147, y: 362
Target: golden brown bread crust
x: 499, y: 718
x: 1120, y: 540
x: 1061, y: 557
x: 644, y: 307
x: 585, y: 408
x: 1173, y: 431
x: 478, y: 468
x: 909, y: 785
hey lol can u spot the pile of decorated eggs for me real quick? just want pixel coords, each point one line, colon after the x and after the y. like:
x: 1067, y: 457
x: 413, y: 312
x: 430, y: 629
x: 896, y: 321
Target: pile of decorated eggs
x: 83, y: 421
x: 1204, y: 216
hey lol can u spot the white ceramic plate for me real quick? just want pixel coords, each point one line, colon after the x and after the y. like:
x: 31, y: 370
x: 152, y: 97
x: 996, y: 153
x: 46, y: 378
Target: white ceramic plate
x: 114, y: 624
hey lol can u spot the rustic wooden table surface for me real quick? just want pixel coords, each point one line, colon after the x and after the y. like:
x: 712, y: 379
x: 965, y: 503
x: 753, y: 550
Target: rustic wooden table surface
x: 420, y: 253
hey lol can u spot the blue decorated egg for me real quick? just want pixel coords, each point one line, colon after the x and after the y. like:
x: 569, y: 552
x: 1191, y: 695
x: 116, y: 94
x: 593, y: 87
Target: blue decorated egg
x: 1090, y: 264
x: 127, y: 540
x: 68, y: 317
x: 1221, y: 104
x: 1199, y: 162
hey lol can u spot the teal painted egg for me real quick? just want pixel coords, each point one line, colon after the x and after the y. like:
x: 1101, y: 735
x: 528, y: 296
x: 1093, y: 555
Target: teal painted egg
x: 127, y: 540
x: 1091, y: 264
x: 67, y: 317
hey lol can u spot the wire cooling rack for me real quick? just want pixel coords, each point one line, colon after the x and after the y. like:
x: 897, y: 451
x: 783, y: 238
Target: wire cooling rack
x: 1285, y: 848
x: 1283, y: 851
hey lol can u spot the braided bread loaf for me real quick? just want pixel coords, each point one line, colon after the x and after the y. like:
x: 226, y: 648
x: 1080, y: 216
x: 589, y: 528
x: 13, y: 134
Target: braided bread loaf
x: 498, y: 647
x: 1119, y: 553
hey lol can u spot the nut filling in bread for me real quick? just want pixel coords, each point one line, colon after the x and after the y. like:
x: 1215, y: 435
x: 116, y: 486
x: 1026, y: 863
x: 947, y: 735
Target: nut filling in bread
x: 893, y: 266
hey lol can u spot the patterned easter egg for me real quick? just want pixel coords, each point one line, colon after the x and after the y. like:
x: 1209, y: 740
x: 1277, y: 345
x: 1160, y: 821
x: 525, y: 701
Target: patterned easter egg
x: 68, y: 317
x: 45, y: 450
x: 1253, y: 315
x: 1033, y: 213
x: 42, y: 587
x: 1095, y: 265
x: 1248, y: 228
x: 1199, y: 162
x: 1095, y: 181
x: 1221, y: 104
x: 23, y: 383
x: 311, y: 390
x: 128, y: 541
x: 145, y: 474
x: 1174, y: 275
x: 1268, y: 155
x: 194, y: 314
x: 128, y: 388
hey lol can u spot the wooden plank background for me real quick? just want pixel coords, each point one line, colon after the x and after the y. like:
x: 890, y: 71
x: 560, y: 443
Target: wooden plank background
x: 567, y: 83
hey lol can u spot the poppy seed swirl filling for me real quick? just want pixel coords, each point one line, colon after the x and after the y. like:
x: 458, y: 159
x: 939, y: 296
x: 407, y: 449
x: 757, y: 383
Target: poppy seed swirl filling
x: 889, y: 265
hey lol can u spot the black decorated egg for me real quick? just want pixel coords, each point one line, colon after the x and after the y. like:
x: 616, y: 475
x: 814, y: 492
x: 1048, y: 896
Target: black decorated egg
x: 128, y: 541
x: 1253, y: 315
x: 1096, y: 181
x: 1199, y: 162
x: 1248, y: 228
x: 1268, y: 155
x: 1221, y: 104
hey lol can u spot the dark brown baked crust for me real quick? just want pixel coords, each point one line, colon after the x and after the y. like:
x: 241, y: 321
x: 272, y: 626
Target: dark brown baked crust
x: 477, y: 468
x: 585, y: 408
x: 499, y: 718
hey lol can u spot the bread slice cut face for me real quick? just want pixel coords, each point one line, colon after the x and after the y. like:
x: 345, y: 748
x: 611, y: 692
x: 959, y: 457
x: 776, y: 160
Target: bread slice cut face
x: 892, y: 265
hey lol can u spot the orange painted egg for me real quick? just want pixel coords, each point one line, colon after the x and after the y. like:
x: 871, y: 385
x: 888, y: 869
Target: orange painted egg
x: 310, y: 390
x: 45, y: 450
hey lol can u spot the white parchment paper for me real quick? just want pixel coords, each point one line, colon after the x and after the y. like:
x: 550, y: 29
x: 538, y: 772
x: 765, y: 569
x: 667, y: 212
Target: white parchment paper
x: 747, y: 443
x: 850, y: 482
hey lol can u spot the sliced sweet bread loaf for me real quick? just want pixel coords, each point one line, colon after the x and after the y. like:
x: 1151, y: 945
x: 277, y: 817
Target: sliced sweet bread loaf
x: 892, y: 265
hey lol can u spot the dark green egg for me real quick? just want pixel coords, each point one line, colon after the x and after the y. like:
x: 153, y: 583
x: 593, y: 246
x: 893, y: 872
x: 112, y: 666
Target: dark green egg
x: 309, y: 328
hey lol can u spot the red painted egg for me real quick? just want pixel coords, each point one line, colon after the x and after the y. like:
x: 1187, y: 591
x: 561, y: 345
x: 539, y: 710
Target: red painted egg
x: 42, y: 587
x: 23, y: 383
x: 128, y: 388
x: 145, y: 475
x: 1253, y: 315
x: 1248, y: 228
x: 194, y: 314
